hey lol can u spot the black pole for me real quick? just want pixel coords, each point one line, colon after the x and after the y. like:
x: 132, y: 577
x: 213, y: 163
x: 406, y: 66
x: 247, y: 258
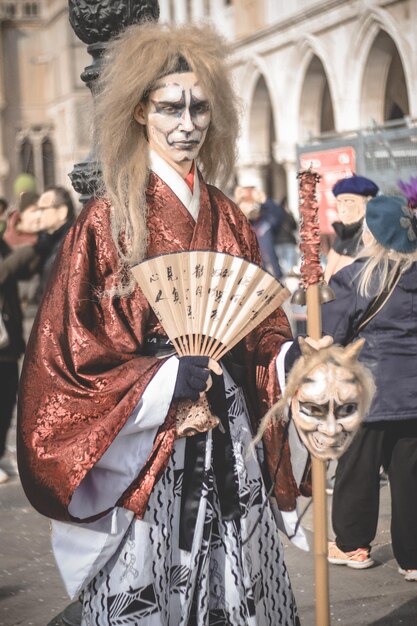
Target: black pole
x: 95, y: 24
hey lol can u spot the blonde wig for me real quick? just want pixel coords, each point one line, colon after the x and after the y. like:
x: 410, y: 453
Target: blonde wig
x: 133, y: 63
x: 381, y: 265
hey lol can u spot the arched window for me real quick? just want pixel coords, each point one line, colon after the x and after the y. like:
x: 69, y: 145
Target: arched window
x: 48, y: 162
x: 10, y: 10
x: 316, y: 107
x: 26, y: 157
x: 384, y: 90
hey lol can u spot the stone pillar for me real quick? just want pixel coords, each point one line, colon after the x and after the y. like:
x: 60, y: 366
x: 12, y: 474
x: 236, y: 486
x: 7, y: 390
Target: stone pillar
x: 198, y: 10
x: 95, y: 24
x: 181, y: 16
x: 291, y: 172
x: 164, y: 10
x: 285, y: 155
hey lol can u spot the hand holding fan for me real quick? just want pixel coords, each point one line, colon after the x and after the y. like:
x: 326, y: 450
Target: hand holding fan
x: 207, y: 301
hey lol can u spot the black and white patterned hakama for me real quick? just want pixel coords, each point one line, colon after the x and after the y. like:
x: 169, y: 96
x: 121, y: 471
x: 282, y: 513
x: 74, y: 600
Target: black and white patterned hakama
x: 226, y: 579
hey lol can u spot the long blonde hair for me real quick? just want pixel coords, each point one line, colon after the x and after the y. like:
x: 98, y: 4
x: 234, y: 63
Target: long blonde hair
x: 381, y: 265
x: 132, y: 64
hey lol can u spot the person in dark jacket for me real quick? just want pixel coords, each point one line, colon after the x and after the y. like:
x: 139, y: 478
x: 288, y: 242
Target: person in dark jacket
x: 3, y: 215
x: 286, y: 247
x: 265, y: 217
x: 11, y: 347
x: 56, y: 214
x: 48, y: 224
x: 388, y: 436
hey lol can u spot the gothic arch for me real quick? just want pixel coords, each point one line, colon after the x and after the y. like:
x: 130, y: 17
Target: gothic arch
x: 26, y: 156
x: 256, y: 73
x: 383, y: 57
x: 314, y: 91
x: 48, y: 162
x: 261, y: 125
x: 384, y: 94
x: 259, y: 130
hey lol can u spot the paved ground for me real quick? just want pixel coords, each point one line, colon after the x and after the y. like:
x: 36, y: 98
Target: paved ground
x: 378, y: 596
x: 31, y: 593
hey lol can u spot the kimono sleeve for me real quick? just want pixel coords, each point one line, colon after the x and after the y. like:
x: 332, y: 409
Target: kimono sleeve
x: 84, y: 371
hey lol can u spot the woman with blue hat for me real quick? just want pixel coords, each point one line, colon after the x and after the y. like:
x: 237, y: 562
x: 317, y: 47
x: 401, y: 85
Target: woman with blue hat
x: 376, y: 298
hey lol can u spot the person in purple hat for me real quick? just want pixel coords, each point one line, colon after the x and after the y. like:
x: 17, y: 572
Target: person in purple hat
x: 351, y: 194
x: 376, y: 299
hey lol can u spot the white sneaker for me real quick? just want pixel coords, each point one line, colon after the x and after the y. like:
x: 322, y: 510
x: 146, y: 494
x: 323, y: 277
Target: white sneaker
x: 4, y: 476
x: 409, y: 574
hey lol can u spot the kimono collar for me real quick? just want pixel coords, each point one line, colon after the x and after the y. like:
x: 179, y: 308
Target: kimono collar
x: 190, y: 200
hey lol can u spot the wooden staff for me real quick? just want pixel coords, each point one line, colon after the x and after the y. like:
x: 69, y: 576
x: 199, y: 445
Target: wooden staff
x: 312, y: 278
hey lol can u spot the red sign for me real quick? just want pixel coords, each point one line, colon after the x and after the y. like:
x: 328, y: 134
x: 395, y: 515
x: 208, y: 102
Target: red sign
x: 332, y: 165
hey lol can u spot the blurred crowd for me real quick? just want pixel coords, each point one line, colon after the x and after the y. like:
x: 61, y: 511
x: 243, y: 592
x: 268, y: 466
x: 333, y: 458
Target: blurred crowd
x: 31, y: 231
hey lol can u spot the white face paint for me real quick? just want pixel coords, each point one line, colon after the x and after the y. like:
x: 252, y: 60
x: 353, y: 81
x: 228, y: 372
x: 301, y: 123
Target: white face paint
x: 177, y: 116
x: 350, y: 207
x: 325, y: 410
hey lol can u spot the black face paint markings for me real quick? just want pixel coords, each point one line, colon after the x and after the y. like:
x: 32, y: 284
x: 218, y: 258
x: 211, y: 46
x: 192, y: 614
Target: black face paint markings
x: 177, y: 108
x: 173, y: 109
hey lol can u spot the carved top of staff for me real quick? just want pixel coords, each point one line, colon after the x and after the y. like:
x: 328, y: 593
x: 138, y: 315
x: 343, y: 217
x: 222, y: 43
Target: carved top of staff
x: 311, y: 270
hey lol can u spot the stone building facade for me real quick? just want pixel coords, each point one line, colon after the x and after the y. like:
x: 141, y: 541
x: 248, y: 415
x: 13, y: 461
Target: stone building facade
x: 318, y: 76
x: 44, y: 106
x: 312, y: 75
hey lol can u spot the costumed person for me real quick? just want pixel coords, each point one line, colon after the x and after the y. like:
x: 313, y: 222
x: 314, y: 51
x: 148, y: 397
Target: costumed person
x: 265, y: 216
x: 351, y: 195
x: 376, y: 299
x: 154, y: 528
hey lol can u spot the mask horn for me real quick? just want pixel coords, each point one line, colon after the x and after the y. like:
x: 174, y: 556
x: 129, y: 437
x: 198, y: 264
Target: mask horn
x: 352, y: 351
x: 306, y: 349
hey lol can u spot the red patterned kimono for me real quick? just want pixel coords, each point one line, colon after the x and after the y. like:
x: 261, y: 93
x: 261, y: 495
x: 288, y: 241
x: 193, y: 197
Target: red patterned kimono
x: 84, y: 370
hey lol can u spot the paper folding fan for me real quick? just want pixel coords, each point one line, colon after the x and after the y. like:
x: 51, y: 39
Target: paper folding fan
x: 207, y: 301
